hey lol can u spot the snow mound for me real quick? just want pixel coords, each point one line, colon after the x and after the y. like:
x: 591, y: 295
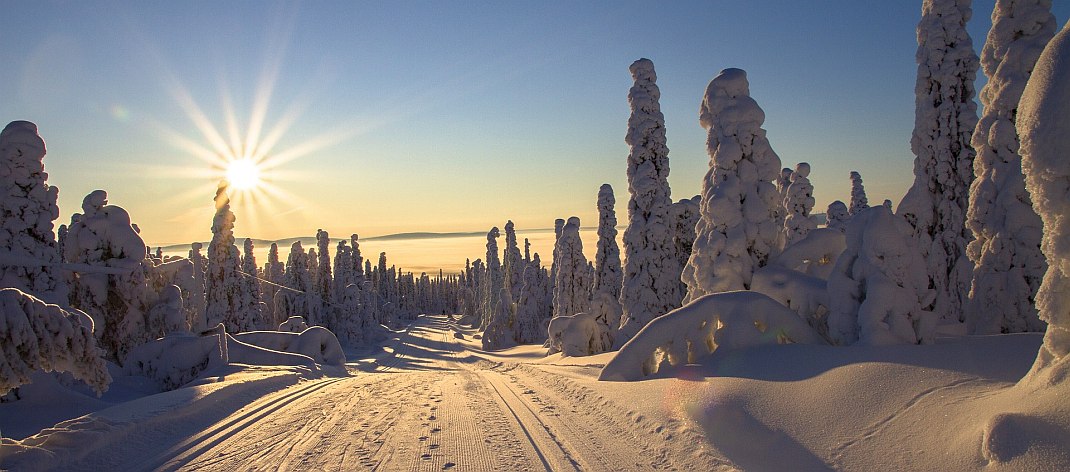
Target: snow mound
x: 316, y: 342
x: 582, y: 334
x: 688, y: 333
x: 176, y: 359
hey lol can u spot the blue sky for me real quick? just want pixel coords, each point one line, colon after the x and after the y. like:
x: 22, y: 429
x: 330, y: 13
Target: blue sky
x: 443, y: 116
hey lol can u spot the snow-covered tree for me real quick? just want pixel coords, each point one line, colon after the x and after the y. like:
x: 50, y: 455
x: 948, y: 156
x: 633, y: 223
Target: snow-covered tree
x: 27, y: 214
x: 529, y: 309
x: 572, y: 287
x: 837, y: 215
x: 493, y: 284
x: 274, y: 272
x: 1043, y: 126
x: 651, y: 271
x: 737, y: 232
x: 686, y: 214
x: 323, y: 280
x: 225, y: 289
x: 1008, y: 262
x: 944, y: 121
x: 608, y: 274
x: 513, y: 266
x: 102, y: 236
x: 798, y: 203
x: 296, y: 300
x: 859, y: 201
x: 198, y: 298
x: 878, y: 289
x: 252, y: 288
x: 41, y: 336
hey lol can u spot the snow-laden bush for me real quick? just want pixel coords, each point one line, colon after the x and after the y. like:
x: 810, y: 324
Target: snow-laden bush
x: 316, y: 342
x: 878, y: 289
x: 837, y: 215
x: 177, y: 359
x: 293, y: 324
x: 1009, y: 264
x: 727, y: 320
x: 798, y: 202
x: 581, y: 334
x: 1043, y: 126
x: 35, y: 335
x: 806, y: 295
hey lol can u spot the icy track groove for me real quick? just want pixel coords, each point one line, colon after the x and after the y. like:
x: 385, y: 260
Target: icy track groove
x: 434, y: 405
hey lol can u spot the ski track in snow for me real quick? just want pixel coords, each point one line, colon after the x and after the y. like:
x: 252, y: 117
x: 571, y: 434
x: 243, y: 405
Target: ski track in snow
x: 431, y: 406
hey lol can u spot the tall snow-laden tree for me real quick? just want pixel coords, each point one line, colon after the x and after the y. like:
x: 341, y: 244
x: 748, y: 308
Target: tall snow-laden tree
x: 798, y: 203
x: 836, y: 215
x: 274, y: 272
x: 27, y: 214
x: 685, y: 214
x: 225, y: 290
x: 1043, y: 126
x: 651, y: 271
x: 323, y: 280
x: 608, y: 275
x: 252, y: 288
x: 859, y: 201
x: 513, y: 266
x: 198, y: 298
x: 737, y: 232
x: 944, y: 120
x: 493, y: 284
x: 529, y: 310
x: 1008, y: 262
x: 572, y: 288
x: 295, y: 302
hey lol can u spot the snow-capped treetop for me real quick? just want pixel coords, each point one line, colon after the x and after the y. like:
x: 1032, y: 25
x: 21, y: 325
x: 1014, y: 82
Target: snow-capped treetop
x: 1043, y: 125
x: 798, y: 203
x: 572, y: 288
x: 837, y: 215
x: 859, y: 201
x: 512, y: 264
x: 1009, y: 264
x: 27, y: 210
x: 103, y: 234
x: 651, y: 271
x: 737, y: 232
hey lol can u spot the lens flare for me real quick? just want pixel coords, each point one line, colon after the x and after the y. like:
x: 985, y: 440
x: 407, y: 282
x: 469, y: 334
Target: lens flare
x: 243, y: 174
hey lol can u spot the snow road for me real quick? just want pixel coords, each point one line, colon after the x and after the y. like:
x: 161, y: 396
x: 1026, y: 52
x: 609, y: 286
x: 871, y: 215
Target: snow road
x: 433, y: 405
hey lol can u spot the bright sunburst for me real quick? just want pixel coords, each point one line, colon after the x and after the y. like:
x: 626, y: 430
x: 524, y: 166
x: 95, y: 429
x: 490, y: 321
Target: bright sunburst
x: 243, y: 174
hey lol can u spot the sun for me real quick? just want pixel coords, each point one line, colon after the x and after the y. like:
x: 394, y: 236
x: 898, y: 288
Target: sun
x: 243, y: 174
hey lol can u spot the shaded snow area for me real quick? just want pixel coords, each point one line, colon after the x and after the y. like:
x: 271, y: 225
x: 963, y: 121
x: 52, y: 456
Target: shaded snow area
x: 429, y: 398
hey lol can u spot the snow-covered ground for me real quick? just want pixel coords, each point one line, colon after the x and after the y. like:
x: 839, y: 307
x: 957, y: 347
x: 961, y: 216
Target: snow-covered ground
x: 430, y: 398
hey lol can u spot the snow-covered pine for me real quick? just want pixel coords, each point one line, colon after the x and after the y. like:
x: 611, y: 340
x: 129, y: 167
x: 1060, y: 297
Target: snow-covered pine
x: 559, y: 224
x: 878, y: 289
x: 1043, y: 126
x: 35, y: 335
x: 513, y: 264
x: 529, y: 310
x: 572, y: 287
x: 198, y: 298
x: 859, y: 201
x: 837, y: 215
x: 27, y: 214
x: 737, y: 232
x: 252, y: 290
x: 798, y: 203
x: 274, y: 272
x: 103, y: 236
x: 323, y: 280
x: 608, y: 275
x: 1008, y: 262
x: 358, y: 261
x: 493, y: 283
x: 294, y: 302
x: 225, y: 291
x: 343, y: 270
x: 651, y: 285
x: 944, y: 120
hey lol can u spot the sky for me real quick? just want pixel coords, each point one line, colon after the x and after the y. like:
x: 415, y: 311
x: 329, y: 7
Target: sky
x: 387, y: 117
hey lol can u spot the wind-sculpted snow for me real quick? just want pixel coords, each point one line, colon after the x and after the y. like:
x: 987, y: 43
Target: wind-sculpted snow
x: 581, y: 334
x: 738, y: 231
x: 1043, y: 126
x: 317, y: 342
x: 1009, y: 264
x: 35, y: 335
x: 686, y: 334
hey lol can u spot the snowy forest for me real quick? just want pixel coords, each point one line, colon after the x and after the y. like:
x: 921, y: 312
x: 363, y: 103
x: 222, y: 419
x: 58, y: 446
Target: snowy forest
x: 734, y: 330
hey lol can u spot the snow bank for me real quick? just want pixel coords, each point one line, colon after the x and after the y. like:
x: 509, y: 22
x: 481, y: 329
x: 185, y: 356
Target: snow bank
x: 39, y: 336
x: 316, y: 342
x: 727, y: 320
x: 293, y: 324
x: 806, y: 295
x: 177, y: 359
x: 582, y: 334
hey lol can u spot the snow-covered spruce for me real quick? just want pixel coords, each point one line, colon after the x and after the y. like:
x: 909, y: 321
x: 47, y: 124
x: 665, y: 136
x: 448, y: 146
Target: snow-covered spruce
x: 577, y: 335
x: 27, y: 213
x: 859, y: 201
x: 608, y: 275
x: 685, y: 213
x: 878, y: 289
x: 731, y: 320
x: 1008, y: 263
x: 495, y: 329
x: 295, y: 302
x: 1043, y: 126
x: 572, y: 287
x: 944, y: 120
x: 798, y: 203
x: 103, y: 236
x: 837, y: 215
x: 224, y: 287
x: 512, y: 263
x: 274, y: 272
x: 323, y: 281
x: 815, y: 255
x: 737, y: 232
x: 529, y: 308
x: 651, y: 272
x: 197, y: 300
x: 251, y: 280
x: 35, y: 335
